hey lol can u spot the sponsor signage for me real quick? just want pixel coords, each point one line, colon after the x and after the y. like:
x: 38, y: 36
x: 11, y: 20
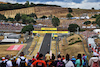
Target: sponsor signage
x: 15, y: 47
x: 50, y: 31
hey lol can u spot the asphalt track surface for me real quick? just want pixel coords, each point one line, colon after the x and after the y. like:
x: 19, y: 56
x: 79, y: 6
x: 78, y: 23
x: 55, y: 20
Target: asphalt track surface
x: 45, y: 47
x: 29, y: 42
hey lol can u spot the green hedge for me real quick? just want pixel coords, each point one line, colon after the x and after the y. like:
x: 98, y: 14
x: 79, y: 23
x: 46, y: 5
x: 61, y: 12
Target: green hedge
x: 71, y: 39
x: 75, y: 42
x: 71, y: 34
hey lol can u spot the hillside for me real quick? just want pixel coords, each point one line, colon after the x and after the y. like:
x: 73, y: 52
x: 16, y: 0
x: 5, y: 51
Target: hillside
x: 90, y: 12
x: 3, y: 3
x: 55, y: 11
x: 47, y: 10
x: 74, y: 49
x: 12, y: 13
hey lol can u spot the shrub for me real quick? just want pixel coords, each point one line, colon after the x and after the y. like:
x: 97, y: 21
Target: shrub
x: 75, y: 42
x: 72, y: 39
x: 71, y: 34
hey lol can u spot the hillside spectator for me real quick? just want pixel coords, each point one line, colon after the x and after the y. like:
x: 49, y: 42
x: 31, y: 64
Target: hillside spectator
x: 0, y: 60
x: 8, y: 61
x: 85, y: 59
x: 3, y: 62
x: 73, y: 60
x: 53, y: 57
x: 22, y: 61
x: 59, y: 62
x: 79, y: 62
x: 40, y: 62
x: 94, y: 61
x: 47, y: 56
x: 29, y: 63
x: 33, y: 59
x: 14, y: 61
x: 3, y: 58
x: 63, y: 58
x: 37, y: 57
x: 68, y: 62
x: 90, y: 49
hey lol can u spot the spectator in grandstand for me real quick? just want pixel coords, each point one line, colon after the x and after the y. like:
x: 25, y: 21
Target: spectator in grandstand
x: 40, y: 62
x: 79, y: 62
x: 68, y: 62
x: 59, y: 62
x: 8, y: 61
x: 73, y: 60
x: 94, y: 61
x: 33, y: 59
x: 63, y: 58
x: 37, y: 57
x: 22, y: 61
x: 53, y: 56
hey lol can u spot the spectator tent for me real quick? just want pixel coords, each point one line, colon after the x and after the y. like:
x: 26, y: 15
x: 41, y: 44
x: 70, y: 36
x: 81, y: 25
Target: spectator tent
x: 6, y: 34
x: 91, y: 41
x: 87, y: 17
x: 14, y: 36
x: 96, y: 30
x: 10, y: 41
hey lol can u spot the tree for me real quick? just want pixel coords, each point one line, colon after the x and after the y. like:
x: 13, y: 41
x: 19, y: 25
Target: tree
x: 50, y: 16
x: 32, y: 4
x: 23, y: 17
x: 92, y: 8
x: 93, y: 22
x: 17, y: 17
x: 55, y: 21
x: 33, y: 15
x: 11, y: 19
x: 33, y: 21
x: 94, y: 16
x: 30, y: 20
x: 43, y: 17
x: 27, y: 4
x: 69, y: 16
x: 27, y: 28
x: 27, y: 19
x: 98, y: 20
x: 70, y: 10
x: 87, y: 22
x: 2, y: 17
x: 73, y: 27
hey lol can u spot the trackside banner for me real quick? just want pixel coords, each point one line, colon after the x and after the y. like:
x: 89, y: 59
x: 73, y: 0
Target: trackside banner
x: 15, y: 47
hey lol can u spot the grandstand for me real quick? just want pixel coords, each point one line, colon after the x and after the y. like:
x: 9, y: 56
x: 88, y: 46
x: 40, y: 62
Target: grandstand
x: 10, y: 27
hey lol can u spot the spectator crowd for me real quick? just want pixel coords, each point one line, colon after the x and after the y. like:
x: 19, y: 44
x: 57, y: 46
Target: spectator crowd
x: 50, y: 61
x: 10, y: 26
